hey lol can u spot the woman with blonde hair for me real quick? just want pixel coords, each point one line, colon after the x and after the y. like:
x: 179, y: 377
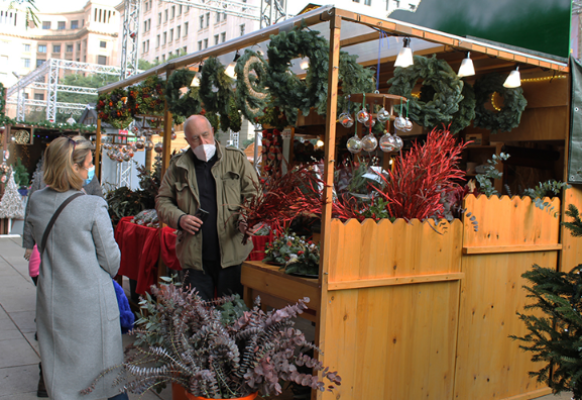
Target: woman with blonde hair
x: 77, y: 315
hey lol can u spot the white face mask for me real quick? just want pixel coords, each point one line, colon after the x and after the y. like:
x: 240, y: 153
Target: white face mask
x: 204, y: 152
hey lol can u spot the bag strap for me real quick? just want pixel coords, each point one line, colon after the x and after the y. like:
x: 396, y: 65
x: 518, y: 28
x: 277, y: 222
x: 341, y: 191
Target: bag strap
x: 49, y: 227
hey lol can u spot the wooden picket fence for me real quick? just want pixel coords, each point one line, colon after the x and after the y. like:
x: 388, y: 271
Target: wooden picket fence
x: 413, y: 314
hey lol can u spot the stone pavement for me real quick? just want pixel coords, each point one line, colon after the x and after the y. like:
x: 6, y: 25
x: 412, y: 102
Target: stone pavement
x: 19, y: 355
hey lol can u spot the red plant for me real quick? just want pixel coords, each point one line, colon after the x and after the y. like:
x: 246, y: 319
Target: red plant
x: 415, y: 186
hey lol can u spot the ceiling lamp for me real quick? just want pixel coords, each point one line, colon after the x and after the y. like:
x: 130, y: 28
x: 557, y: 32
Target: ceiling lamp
x: 195, y: 82
x: 230, y: 71
x: 467, y: 68
x: 405, y: 58
x: 513, y: 80
x: 304, y: 65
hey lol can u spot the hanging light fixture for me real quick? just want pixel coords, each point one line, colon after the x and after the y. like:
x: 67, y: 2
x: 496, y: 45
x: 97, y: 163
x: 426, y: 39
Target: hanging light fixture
x: 195, y: 82
x: 304, y: 65
x: 513, y: 80
x: 236, y: 56
x: 230, y: 71
x: 405, y: 58
x: 467, y: 68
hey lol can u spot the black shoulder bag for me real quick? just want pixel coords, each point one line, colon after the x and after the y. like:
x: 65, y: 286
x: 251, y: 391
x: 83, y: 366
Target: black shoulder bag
x: 49, y: 227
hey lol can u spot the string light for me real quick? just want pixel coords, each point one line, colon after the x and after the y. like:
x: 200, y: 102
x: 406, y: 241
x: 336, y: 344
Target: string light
x: 544, y: 78
x: 493, y: 102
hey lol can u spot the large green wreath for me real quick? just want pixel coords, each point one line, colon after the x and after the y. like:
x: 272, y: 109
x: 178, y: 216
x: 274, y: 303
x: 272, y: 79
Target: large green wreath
x: 289, y: 93
x: 182, y: 106
x: 213, y: 75
x: 354, y: 79
x: 466, y: 113
x: 251, y: 89
x: 447, y: 90
x: 148, y: 97
x: 112, y: 109
x: 513, y: 99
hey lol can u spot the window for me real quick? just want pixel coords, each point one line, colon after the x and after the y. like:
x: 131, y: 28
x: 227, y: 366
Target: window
x: 46, y: 24
x: 173, y: 13
x: 224, y: 16
x: 143, y: 47
x: 368, y: 2
x: 82, y: 22
x: 185, y: 28
x: 56, y: 48
x: 163, y: 57
x: 159, y: 18
x: 27, y: 48
x: 165, y: 38
x: 157, y: 59
x: 202, y: 22
x: 215, y: 40
x: 75, y: 24
x: 242, y: 29
x: 172, y: 35
x: 148, y: 45
x: 178, y: 29
x: 180, y: 9
x: 217, y: 18
x: 145, y: 25
x: 69, y: 48
x: 149, y: 24
x: 205, y: 43
x: 26, y: 62
x: 103, y: 44
x: 223, y: 37
x: 39, y: 96
x: 166, y: 15
x: 42, y: 48
x: 157, y: 41
x: 101, y: 60
x: 61, y: 25
x: 207, y: 19
x: 199, y: 45
x: 169, y: 55
x: 146, y: 6
x: 78, y: 46
x: 39, y: 62
x: 185, y: 50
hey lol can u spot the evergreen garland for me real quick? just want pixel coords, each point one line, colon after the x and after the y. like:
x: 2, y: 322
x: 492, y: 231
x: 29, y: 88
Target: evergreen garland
x: 466, y: 113
x: 2, y: 100
x: 213, y: 75
x: 214, y: 121
x: 182, y: 106
x: 148, y: 97
x: 354, y: 79
x: 509, y: 116
x: 251, y: 92
x: 289, y: 93
x: 234, y: 117
x: 61, y: 127
x: 444, y: 81
x: 112, y: 108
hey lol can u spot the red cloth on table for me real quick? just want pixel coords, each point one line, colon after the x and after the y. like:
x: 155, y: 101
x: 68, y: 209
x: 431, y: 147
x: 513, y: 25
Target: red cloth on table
x: 140, y: 252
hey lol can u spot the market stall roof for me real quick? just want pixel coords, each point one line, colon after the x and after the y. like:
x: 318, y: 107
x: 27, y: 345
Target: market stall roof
x: 359, y: 35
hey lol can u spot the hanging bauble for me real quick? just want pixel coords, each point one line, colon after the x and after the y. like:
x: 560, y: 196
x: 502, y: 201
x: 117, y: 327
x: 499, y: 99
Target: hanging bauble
x: 387, y: 143
x: 400, y: 123
x: 399, y: 143
x: 346, y: 120
x: 354, y: 145
x: 367, y: 122
x: 383, y: 115
x: 126, y: 157
x: 149, y: 144
x: 363, y: 116
x: 174, y: 136
x: 369, y: 143
x: 159, y: 147
x: 408, y: 126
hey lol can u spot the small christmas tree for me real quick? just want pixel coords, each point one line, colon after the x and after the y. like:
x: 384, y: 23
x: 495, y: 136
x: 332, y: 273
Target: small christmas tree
x: 556, y: 338
x: 11, y: 205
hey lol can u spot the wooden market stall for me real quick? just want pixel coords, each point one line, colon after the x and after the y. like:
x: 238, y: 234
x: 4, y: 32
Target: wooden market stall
x: 407, y: 310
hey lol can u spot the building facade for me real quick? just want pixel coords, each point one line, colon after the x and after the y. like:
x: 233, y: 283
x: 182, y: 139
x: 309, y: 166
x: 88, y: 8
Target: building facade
x: 66, y: 31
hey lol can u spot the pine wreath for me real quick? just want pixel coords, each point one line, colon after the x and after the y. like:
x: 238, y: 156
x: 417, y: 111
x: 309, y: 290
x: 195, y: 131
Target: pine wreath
x: 354, y: 79
x: 182, y: 106
x: 148, y: 97
x: 251, y: 91
x: 466, y: 113
x: 112, y: 109
x: 513, y: 99
x: 213, y: 76
x: 289, y: 92
x: 447, y: 90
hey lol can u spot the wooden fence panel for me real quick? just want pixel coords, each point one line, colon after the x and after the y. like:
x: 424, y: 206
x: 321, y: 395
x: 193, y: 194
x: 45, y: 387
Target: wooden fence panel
x: 572, y: 246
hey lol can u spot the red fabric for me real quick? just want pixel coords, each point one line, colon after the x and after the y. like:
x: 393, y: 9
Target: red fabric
x: 259, y: 243
x: 169, y: 249
x: 140, y: 251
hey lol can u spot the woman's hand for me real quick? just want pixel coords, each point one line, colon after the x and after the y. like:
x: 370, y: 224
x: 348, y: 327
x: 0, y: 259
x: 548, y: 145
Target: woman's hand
x: 27, y: 254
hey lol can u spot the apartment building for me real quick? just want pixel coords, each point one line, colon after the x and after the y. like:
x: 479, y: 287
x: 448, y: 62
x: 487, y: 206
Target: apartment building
x: 66, y: 30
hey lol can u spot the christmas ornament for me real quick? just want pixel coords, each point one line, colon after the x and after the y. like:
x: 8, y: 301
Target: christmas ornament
x: 387, y: 143
x: 399, y: 144
x: 354, y: 144
x: 408, y: 125
x: 363, y: 115
x: 159, y: 147
x: 149, y: 145
x: 400, y: 123
x: 346, y: 120
x: 368, y: 121
x: 383, y: 115
x: 369, y: 143
x: 174, y: 136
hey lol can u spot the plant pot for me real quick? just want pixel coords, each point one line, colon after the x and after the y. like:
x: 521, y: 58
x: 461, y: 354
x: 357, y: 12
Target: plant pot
x: 23, y: 191
x: 192, y: 397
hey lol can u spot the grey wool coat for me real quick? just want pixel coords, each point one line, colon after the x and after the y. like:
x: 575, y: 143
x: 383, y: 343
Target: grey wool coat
x: 77, y: 316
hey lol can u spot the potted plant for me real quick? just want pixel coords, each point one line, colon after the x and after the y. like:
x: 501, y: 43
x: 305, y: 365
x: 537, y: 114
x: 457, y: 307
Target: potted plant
x: 218, y: 349
x: 297, y: 255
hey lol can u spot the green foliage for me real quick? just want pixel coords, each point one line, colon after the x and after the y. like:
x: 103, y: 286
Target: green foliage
x: 575, y: 226
x: 29, y: 7
x: 232, y: 310
x: 556, y: 337
x: 297, y: 255
x: 149, y: 181
x: 2, y: 100
x: 446, y: 95
x: 549, y: 188
x: 144, y: 65
x: 354, y: 79
x: 485, y: 179
x: 252, y: 94
x: 43, y: 124
x: 513, y: 100
x: 124, y: 202
x: 89, y: 81
x: 182, y: 105
x: 112, y: 108
x: 214, y: 77
x: 21, y: 175
x: 466, y: 113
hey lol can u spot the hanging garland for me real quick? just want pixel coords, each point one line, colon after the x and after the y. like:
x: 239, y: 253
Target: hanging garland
x: 59, y: 126
x: 148, y: 97
x: 182, y: 106
x: 354, y: 79
x: 235, y: 120
x: 213, y: 76
x: 445, y: 82
x: 289, y: 92
x: 251, y: 91
x: 112, y: 109
x: 214, y: 121
x: 509, y: 116
x: 2, y: 100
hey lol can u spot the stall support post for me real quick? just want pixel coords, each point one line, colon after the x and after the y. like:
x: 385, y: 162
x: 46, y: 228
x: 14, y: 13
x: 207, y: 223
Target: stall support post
x: 328, y: 172
x: 167, y: 152
x: 97, y: 162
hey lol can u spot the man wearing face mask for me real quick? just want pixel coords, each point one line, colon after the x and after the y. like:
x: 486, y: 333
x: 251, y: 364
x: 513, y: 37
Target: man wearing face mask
x: 200, y: 195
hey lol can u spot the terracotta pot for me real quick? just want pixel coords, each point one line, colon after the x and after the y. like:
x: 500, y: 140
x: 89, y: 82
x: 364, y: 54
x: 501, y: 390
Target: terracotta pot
x: 192, y: 397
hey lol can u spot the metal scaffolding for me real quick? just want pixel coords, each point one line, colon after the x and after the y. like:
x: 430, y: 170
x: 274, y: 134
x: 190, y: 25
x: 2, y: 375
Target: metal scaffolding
x: 229, y: 7
x: 52, y: 69
x: 130, y: 36
x: 273, y: 11
x: 576, y: 6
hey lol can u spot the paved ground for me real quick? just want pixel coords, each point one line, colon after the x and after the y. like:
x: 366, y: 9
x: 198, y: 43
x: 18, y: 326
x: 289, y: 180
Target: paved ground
x: 19, y: 356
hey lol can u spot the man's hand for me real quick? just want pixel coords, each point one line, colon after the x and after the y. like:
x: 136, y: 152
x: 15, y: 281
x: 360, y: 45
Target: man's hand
x: 27, y: 254
x: 247, y: 232
x: 190, y: 224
